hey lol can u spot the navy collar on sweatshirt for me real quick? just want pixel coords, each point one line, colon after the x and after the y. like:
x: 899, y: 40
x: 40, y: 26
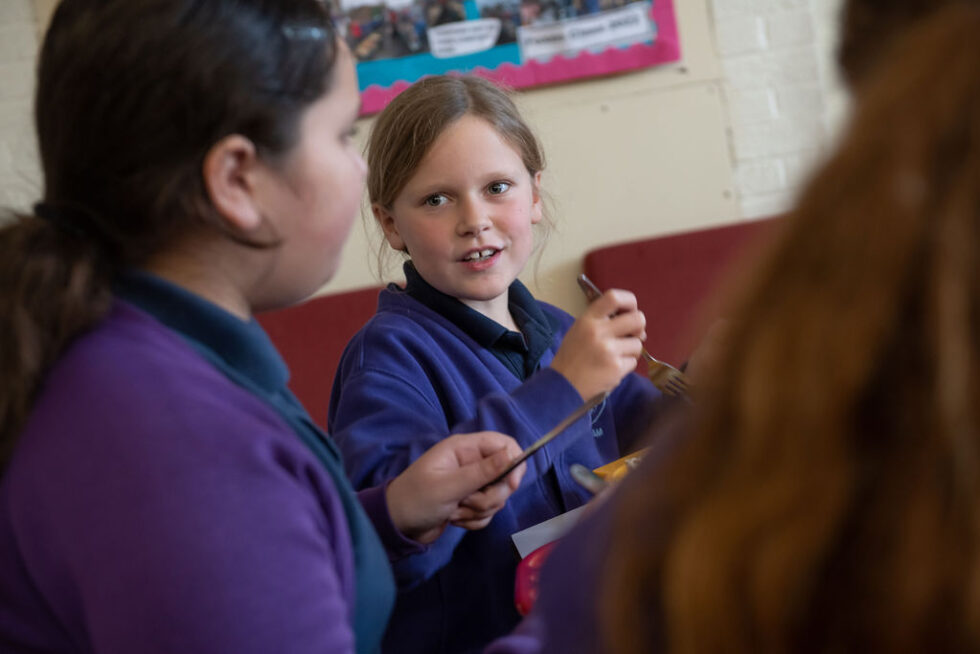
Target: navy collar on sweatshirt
x: 520, y: 351
x: 243, y: 346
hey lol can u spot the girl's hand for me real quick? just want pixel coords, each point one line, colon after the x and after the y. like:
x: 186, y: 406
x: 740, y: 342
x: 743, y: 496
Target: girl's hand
x: 446, y: 485
x: 603, y: 345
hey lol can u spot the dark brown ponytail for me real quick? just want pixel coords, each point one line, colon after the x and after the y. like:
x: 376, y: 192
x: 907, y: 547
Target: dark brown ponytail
x: 53, y: 285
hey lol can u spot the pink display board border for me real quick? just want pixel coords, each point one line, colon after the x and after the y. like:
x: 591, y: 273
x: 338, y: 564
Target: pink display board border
x: 664, y: 49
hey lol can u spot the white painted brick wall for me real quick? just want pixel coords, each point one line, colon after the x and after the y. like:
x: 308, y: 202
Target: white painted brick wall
x: 737, y: 35
x: 786, y: 29
x: 778, y: 81
x: 20, y: 177
x: 728, y: 8
x: 827, y: 16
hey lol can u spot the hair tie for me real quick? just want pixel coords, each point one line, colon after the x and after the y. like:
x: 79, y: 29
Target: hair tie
x: 70, y: 221
x: 304, y: 32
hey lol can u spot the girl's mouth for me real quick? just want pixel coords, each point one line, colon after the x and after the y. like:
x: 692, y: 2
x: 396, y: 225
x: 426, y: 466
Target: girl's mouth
x: 480, y: 255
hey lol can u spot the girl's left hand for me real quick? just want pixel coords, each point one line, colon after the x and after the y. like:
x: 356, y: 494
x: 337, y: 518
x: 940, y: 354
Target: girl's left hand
x: 602, y: 346
x: 446, y: 485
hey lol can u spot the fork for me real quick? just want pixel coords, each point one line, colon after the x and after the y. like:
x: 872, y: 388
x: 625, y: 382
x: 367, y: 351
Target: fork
x: 664, y: 376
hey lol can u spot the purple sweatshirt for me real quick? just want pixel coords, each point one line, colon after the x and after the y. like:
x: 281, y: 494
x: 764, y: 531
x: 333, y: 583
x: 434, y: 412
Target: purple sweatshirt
x: 152, y: 505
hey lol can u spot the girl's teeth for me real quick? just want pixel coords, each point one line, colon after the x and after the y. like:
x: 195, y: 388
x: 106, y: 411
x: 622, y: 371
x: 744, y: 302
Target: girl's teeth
x: 482, y: 254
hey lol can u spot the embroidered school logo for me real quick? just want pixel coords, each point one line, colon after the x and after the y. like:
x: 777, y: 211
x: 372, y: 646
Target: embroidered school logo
x: 594, y: 416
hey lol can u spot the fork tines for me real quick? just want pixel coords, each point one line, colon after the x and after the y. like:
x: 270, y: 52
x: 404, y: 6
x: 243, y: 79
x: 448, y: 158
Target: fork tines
x: 667, y: 378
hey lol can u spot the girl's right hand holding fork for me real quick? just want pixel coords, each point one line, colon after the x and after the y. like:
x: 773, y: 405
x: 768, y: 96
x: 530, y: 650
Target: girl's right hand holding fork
x: 603, y: 345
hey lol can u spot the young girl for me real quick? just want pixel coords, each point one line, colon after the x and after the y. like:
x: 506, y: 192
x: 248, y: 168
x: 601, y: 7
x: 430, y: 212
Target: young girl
x: 162, y: 490
x: 454, y: 183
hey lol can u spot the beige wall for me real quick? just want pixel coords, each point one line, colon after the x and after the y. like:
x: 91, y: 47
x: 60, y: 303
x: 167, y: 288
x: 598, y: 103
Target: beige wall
x: 659, y: 150
x: 19, y: 169
x: 43, y: 9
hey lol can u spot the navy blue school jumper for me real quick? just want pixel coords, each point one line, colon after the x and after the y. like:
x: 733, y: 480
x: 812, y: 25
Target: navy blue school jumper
x: 410, y: 377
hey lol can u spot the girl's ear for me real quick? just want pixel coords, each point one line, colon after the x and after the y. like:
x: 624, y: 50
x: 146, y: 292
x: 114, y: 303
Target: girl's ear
x: 230, y: 169
x: 387, y: 222
x: 537, y: 210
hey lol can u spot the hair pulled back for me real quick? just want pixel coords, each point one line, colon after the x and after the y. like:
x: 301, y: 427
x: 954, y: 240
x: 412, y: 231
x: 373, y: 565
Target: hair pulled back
x: 130, y: 97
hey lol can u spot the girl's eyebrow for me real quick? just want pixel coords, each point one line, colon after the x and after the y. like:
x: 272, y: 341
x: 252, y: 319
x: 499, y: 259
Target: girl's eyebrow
x: 428, y: 189
x: 437, y: 186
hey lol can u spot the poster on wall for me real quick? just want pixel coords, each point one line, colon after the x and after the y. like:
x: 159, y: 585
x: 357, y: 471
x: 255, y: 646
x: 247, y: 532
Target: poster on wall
x: 519, y: 43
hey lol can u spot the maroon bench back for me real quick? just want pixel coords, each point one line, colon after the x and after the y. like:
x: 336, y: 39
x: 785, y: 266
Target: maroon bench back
x: 312, y: 336
x: 675, y: 277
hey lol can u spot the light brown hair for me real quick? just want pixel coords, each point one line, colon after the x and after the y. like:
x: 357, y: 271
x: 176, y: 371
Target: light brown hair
x: 406, y: 129
x: 826, y: 496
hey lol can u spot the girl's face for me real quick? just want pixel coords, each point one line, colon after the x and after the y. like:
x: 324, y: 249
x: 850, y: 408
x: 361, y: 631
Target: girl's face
x: 314, y: 195
x: 466, y: 215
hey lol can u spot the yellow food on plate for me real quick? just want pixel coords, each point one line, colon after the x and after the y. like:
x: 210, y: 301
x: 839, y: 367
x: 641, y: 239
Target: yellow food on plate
x: 617, y: 469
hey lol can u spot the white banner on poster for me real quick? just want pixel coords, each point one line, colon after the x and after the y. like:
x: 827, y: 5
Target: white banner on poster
x: 625, y: 26
x: 463, y: 38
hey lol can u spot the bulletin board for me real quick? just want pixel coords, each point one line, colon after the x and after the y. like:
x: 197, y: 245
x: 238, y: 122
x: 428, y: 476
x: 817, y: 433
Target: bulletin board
x: 519, y: 43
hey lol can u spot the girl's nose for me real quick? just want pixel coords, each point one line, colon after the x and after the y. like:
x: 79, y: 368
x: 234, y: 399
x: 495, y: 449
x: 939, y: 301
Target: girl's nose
x: 473, y: 218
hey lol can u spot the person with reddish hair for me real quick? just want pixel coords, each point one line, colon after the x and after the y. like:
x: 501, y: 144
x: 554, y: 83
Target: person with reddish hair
x: 869, y: 26
x: 822, y: 495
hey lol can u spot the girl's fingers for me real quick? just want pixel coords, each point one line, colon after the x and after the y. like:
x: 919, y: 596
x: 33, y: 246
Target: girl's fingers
x: 489, y: 500
x: 472, y: 525
x: 630, y: 347
x: 464, y: 513
x: 633, y: 323
x: 613, y: 302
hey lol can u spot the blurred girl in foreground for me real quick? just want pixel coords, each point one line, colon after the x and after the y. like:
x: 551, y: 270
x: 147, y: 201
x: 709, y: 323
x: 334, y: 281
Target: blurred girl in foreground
x: 824, y: 495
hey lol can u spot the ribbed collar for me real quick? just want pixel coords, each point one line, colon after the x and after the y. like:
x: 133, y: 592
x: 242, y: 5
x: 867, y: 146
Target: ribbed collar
x: 242, y: 346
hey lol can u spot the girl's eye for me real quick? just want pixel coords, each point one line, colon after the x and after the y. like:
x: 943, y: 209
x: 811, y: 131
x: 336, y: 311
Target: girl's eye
x: 434, y: 201
x: 349, y: 134
x: 496, y: 188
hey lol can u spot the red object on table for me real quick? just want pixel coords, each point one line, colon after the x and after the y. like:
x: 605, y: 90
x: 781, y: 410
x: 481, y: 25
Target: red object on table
x: 526, y: 579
